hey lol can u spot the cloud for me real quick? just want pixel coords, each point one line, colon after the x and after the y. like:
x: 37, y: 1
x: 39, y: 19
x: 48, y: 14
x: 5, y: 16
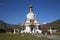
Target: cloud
x: 44, y: 23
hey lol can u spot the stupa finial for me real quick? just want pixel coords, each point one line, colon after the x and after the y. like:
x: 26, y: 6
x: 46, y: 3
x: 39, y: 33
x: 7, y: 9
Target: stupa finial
x: 30, y: 7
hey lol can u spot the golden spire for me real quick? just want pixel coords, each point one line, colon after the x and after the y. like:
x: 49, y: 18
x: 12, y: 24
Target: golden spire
x: 30, y: 7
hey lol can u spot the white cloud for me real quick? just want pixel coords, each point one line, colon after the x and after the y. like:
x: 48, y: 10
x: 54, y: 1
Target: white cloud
x: 44, y: 23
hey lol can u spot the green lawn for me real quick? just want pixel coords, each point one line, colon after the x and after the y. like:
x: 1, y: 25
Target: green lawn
x: 20, y: 37
x: 57, y: 33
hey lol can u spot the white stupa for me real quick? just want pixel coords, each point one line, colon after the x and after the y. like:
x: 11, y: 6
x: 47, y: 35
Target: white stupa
x: 31, y: 24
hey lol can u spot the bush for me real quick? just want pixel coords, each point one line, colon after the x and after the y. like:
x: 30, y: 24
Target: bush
x: 2, y: 31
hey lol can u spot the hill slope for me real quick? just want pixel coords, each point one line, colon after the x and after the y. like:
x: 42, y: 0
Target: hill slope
x: 54, y: 25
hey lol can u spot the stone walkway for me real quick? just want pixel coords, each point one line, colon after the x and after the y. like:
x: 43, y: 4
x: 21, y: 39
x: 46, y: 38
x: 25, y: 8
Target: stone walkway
x: 52, y: 37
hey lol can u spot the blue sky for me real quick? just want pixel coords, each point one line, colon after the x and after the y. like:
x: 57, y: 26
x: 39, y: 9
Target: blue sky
x: 15, y: 11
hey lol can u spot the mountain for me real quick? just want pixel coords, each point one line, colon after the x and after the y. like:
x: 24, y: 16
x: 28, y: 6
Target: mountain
x: 54, y: 25
x: 2, y: 24
x: 4, y: 27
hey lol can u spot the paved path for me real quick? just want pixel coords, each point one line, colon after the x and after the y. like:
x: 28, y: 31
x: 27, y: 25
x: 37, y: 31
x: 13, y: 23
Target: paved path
x: 52, y: 37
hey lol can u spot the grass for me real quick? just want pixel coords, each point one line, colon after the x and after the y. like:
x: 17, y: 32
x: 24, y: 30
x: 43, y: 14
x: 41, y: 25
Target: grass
x: 20, y: 37
x: 57, y: 33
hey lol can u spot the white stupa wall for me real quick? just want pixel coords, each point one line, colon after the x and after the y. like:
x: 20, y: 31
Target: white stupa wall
x: 14, y: 31
x: 27, y: 29
x: 38, y: 30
